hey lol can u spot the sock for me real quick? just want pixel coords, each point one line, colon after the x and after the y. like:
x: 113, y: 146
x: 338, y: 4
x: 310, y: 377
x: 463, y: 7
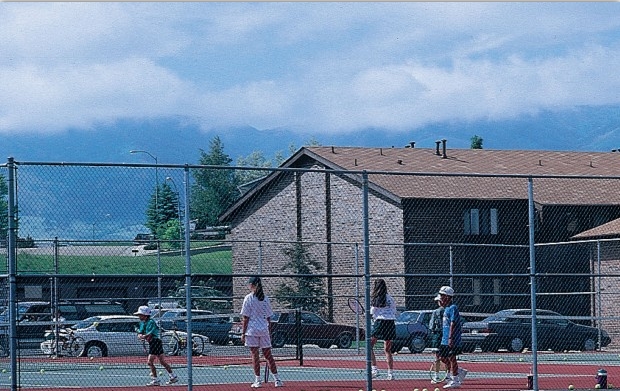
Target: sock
x: 256, y: 379
x: 276, y: 377
x: 374, y: 368
x: 389, y: 371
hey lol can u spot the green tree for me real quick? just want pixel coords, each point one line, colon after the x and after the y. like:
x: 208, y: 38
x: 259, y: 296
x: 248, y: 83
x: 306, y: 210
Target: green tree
x: 4, y: 209
x: 163, y: 209
x: 255, y: 159
x: 309, y: 294
x: 476, y: 142
x: 214, y: 189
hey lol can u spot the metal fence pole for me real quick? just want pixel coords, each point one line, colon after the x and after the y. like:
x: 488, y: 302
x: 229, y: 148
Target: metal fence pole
x: 12, y: 273
x: 188, y: 283
x: 530, y: 196
x: 367, y: 278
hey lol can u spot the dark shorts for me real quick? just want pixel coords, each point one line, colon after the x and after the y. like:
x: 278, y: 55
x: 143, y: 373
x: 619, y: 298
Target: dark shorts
x: 447, y: 351
x: 384, y: 329
x: 435, y: 340
x: 155, y: 347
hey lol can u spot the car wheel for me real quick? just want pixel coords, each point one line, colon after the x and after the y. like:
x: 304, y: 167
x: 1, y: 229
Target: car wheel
x: 396, y: 348
x: 325, y: 345
x: 417, y: 344
x: 344, y: 341
x: 95, y: 349
x: 487, y: 347
x: 516, y: 345
x: 589, y: 344
x: 278, y: 340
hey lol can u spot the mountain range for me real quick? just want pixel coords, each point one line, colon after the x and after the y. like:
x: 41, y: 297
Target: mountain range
x: 177, y: 141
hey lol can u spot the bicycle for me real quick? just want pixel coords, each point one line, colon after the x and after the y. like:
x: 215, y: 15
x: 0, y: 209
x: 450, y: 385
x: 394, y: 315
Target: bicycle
x: 174, y: 343
x: 64, y: 344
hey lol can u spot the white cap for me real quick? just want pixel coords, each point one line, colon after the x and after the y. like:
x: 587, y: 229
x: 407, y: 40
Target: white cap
x: 143, y: 310
x: 446, y: 290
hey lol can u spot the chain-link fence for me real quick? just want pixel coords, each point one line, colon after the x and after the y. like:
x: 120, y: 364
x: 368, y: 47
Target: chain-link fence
x: 87, y: 244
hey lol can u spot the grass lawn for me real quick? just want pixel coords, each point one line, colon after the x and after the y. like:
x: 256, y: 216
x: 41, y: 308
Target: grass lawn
x: 215, y: 262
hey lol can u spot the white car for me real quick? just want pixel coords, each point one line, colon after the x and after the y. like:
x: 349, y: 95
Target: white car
x: 115, y: 335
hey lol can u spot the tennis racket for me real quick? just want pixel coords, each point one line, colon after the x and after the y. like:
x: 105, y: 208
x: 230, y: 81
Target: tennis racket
x: 438, y: 371
x: 267, y: 372
x: 356, y: 306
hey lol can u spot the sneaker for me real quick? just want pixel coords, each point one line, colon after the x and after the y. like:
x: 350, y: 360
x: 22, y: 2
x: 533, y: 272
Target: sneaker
x: 390, y: 376
x: 173, y: 379
x: 375, y: 373
x: 256, y: 384
x: 153, y: 382
x: 278, y: 383
x: 462, y: 374
x: 454, y: 383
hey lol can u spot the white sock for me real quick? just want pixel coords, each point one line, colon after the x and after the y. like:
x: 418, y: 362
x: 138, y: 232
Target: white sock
x: 374, y: 368
x: 256, y: 379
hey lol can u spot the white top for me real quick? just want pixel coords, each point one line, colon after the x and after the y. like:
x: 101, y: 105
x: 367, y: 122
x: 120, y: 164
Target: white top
x: 258, y: 312
x: 387, y: 312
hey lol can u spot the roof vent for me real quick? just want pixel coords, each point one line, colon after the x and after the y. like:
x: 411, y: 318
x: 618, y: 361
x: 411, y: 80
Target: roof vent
x: 437, y: 147
x: 443, y: 141
x: 381, y: 151
x: 333, y: 150
x: 399, y: 161
x: 410, y: 145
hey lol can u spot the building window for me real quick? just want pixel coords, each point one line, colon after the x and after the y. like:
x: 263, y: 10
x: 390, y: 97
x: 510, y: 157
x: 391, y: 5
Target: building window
x: 480, y: 222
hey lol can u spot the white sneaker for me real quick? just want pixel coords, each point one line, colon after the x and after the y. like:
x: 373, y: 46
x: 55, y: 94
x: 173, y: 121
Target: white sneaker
x: 278, y: 383
x: 173, y: 379
x: 375, y: 373
x: 256, y: 384
x: 390, y: 376
x: 454, y: 383
x: 462, y: 374
x: 153, y: 382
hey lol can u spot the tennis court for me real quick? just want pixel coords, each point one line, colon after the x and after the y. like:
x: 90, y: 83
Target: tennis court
x: 486, y: 372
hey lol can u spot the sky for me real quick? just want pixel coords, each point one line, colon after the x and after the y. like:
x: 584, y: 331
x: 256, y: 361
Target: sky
x: 330, y: 67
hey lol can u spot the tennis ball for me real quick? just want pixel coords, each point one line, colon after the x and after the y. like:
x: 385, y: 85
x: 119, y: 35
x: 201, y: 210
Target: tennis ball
x: 424, y: 389
x: 101, y: 368
x: 3, y: 370
x: 225, y: 366
x: 42, y: 370
x: 520, y: 358
x: 416, y: 389
x: 160, y: 373
x: 597, y: 386
x: 571, y: 387
x: 92, y: 358
x: 500, y: 359
x: 436, y: 388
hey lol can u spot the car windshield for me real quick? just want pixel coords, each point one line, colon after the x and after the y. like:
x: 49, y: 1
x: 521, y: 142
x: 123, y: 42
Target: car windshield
x: 499, y: 316
x: 82, y: 324
x: 172, y: 314
x: 407, y: 316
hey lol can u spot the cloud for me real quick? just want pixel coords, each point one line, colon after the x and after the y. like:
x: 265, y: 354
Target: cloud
x: 325, y: 67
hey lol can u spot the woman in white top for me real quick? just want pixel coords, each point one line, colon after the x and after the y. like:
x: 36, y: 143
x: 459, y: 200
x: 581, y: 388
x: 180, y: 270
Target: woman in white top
x: 383, y: 310
x: 257, y: 313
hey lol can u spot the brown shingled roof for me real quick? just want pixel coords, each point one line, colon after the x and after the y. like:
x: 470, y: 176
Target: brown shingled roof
x: 484, y: 161
x: 607, y: 230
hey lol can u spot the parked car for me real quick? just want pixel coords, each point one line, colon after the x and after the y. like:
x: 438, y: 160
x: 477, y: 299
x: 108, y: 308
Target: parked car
x: 314, y: 330
x: 512, y: 330
x: 412, y: 331
x: 35, y: 317
x: 214, y: 326
x: 111, y: 335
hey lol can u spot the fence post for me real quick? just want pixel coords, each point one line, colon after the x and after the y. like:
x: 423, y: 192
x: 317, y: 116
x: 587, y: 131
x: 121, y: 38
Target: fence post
x: 12, y: 273
x: 367, y: 278
x: 530, y: 196
x: 188, y: 283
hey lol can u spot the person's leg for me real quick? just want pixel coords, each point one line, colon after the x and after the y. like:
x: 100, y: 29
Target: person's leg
x: 373, y: 358
x: 151, y: 363
x: 387, y: 347
x: 255, y: 361
x: 164, y: 363
x: 272, y: 362
x: 454, y: 367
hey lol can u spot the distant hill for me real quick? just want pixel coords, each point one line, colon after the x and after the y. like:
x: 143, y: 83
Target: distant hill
x: 175, y: 141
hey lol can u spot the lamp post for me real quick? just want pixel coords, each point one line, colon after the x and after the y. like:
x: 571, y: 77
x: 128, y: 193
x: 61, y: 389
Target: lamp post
x: 178, y: 211
x: 156, y: 221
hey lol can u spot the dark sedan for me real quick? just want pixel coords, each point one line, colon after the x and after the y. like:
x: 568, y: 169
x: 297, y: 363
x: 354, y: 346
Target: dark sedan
x: 314, y: 330
x: 412, y: 331
x: 512, y: 330
x: 216, y: 327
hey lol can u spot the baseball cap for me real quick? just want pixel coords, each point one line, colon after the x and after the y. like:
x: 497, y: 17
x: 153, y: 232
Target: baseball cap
x: 254, y: 280
x: 446, y: 290
x: 437, y: 298
x: 143, y: 310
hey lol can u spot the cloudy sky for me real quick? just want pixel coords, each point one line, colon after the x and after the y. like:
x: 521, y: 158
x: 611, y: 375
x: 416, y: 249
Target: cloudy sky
x: 331, y: 67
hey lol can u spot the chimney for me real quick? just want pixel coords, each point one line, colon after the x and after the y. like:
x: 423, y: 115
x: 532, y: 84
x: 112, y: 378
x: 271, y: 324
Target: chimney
x: 437, y: 147
x: 412, y: 144
x: 443, y: 141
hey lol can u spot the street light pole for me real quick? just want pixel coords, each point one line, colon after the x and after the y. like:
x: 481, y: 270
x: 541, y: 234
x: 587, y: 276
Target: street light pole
x: 176, y: 190
x: 156, y: 222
